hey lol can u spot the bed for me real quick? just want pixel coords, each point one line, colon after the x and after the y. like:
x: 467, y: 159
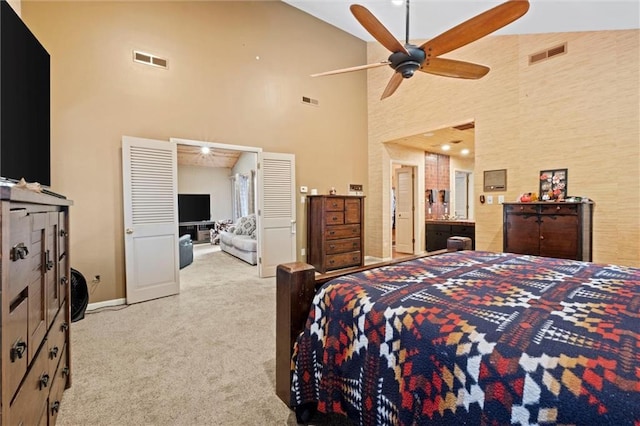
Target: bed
x: 466, y: 337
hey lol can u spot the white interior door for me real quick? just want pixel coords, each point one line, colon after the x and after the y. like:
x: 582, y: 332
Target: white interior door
x: 276, y: 211
x: 404, y: 210
x: 150, y: 218
x: 461, y: 200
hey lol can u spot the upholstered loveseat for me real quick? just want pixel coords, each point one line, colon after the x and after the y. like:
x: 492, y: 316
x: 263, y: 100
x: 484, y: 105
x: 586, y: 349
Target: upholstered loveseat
x: 240, y: 239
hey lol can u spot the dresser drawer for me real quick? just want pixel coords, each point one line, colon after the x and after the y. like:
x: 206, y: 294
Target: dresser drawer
x: 30, y: 403
x: 334, y: 204
x: 342, y: 231
x: 17, y: 335
x: 57, y: 387
x: 551, y: 208
x: 521, y: 208
x: 334, y: 218
x: 22, y: 259
x: 344, y: 245
x: 343, y: 260
x: 56, y: 338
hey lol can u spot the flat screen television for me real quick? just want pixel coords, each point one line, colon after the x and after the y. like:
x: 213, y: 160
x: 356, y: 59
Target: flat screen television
x: 25, y: 111
x: 194, y: 207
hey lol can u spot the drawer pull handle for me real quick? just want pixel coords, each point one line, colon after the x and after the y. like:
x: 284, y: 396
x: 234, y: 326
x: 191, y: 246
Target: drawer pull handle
x: 332, y: 261
x: 65, y: 371
x: 48, y: 263
x: 53, y: 353
x: 19, y: 251
x: 332, y: 232
x: 63, y: 233
x: 55, y: 407
x: 332, y: 246
x: 64, y: 326
x: 44, y: 381
x: 17, y: 350
x: 64, y: 280
x: 335, y: 218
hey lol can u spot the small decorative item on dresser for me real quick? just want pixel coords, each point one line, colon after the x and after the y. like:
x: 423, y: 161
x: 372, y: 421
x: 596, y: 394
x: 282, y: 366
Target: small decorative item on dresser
x: 332, y: 191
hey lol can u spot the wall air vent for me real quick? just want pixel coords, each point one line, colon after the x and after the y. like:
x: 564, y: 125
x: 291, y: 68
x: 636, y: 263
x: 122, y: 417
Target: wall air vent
x: 149, y: 59
x: 309, y: 101
x: 547, y: 54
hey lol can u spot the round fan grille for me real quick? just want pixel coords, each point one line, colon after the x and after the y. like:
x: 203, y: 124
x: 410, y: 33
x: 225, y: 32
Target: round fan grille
x: 79, y: 295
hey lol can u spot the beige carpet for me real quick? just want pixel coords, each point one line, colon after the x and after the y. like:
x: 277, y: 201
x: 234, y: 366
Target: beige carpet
x: 203, y: 357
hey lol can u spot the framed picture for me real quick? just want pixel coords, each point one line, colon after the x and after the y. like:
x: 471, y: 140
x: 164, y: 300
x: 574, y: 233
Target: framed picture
x: 553, y: 185
x: 495, y: 180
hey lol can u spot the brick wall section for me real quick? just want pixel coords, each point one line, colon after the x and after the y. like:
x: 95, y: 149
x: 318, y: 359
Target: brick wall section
x: 436, y: 176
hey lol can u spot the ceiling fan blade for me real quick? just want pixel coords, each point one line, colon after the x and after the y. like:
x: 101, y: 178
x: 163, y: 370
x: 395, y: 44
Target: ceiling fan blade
x: 475, y: 28
x: 453, y: 68
x: 357, y: 68
x: 393, y: 84
x: 376, y: 29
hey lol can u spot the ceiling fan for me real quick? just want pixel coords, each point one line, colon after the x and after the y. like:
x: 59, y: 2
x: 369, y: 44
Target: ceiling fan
x: 406, y: 59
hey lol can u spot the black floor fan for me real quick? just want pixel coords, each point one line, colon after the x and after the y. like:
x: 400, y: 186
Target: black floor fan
x: 79, y: 295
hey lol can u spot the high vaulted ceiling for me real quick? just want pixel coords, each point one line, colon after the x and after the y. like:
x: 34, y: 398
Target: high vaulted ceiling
x: 432, y: 17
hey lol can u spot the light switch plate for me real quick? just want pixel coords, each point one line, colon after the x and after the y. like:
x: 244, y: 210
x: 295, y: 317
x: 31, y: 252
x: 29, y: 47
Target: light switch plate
x: 489, y: 199
x: 500, y: 199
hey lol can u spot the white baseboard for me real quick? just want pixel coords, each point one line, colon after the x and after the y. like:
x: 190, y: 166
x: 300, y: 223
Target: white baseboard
x: 106, y: 303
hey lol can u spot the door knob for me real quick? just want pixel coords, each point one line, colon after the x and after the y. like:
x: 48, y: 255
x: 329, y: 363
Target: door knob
x: 129, y: 231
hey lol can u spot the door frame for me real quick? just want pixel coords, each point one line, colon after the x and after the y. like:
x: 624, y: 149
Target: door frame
x: 418, y: 231
x: 470, y: 193
x: 254, y: 149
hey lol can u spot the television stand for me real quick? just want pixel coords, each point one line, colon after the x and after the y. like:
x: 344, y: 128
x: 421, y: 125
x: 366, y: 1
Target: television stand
x: 199, y: 231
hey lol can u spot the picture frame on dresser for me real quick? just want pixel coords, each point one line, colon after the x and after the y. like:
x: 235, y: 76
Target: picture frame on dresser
x: 553, y: 184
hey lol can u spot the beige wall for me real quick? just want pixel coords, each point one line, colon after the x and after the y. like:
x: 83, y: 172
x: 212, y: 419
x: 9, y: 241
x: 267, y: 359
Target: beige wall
x: 578, y: 111
x: 214, y: 90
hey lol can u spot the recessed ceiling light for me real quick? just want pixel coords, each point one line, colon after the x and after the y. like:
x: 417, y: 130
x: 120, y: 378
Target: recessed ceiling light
x: 446, y: 147
x: 205, y: 150
x: 464, y: 152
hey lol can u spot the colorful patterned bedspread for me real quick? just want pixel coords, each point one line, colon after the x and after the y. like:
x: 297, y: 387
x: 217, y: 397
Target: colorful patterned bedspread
x: 475, y: 338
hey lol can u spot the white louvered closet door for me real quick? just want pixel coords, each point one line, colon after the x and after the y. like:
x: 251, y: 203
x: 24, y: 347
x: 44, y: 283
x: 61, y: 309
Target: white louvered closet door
x: 276, y: 211
x: 150, y: 218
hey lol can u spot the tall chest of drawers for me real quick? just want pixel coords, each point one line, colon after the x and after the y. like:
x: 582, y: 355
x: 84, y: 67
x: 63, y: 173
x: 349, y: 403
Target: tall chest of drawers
x: 335, y: 231
x: 35, y: 313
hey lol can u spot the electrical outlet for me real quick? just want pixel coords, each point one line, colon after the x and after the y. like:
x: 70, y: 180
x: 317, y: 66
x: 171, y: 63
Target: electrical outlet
x: 96, y: 279
x: 303, y: 252
x: 303, y: 189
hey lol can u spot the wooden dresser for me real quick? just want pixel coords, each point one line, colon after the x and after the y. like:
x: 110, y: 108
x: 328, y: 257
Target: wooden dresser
x: 35, y: 313
x: 562, y: 230
x: 335, y: 231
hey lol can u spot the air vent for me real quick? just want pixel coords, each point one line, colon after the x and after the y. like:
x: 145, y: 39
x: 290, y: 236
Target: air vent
x: 465, y: 126
x: 547, y: 54
x: 310, y: 101
x: 455, y: 142
x: 149, y: 59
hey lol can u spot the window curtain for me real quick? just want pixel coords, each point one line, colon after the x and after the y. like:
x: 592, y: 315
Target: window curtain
x: 243, y: 194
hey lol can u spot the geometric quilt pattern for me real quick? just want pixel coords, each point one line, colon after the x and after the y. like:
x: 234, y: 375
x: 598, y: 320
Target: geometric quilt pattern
x: 474, y: 337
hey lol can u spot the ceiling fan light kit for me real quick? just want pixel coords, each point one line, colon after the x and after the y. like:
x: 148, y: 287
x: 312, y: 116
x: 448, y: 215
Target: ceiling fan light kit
x: 406, y: 59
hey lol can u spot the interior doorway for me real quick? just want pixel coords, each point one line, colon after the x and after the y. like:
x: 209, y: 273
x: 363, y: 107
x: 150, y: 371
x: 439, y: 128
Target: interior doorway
x: 403, y: 212
x: 463, y: 189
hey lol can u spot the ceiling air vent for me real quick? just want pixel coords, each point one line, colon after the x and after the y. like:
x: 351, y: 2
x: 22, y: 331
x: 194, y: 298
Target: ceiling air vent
x: 149, y: 59
x: 465, y: 126
x: 547, y: 54
x: 309, y: 101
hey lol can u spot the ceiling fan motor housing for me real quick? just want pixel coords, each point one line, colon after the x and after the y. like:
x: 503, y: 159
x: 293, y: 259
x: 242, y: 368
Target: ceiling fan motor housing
x: 407, y: 64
